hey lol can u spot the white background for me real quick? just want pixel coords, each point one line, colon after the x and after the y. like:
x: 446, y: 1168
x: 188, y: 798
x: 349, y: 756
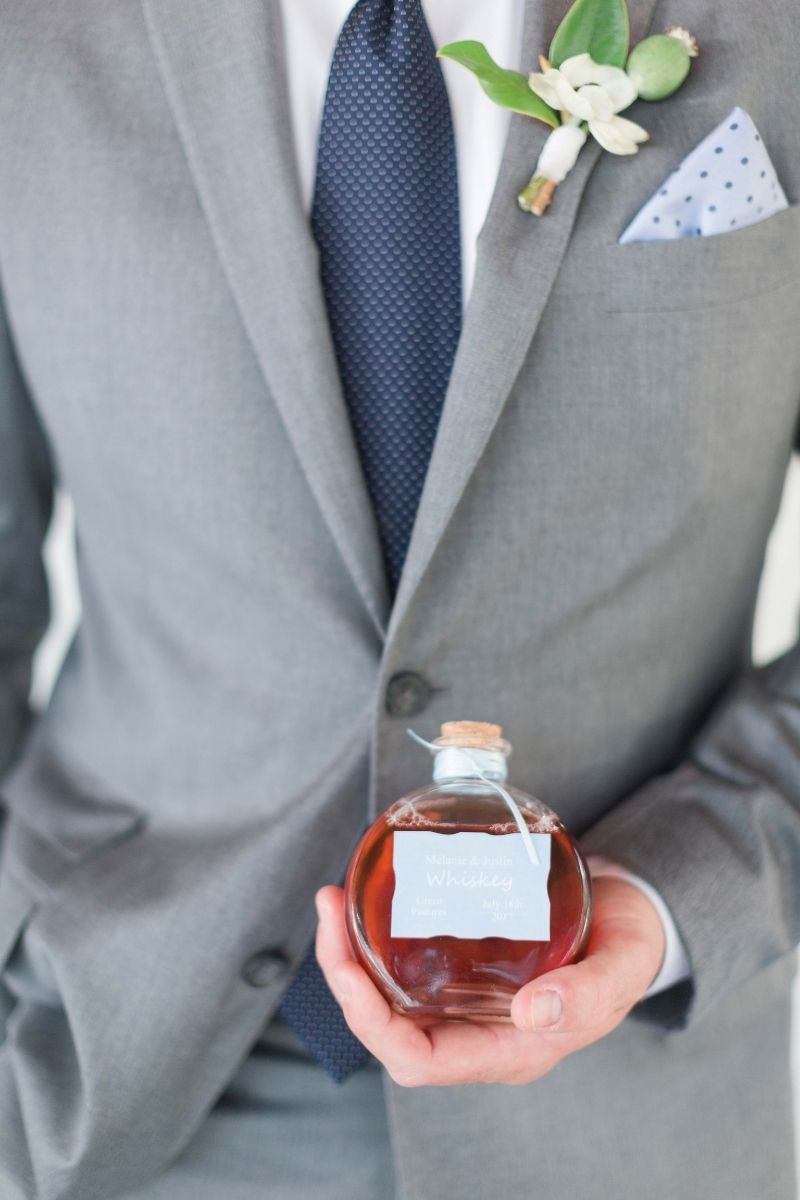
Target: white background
x: 776, y: 622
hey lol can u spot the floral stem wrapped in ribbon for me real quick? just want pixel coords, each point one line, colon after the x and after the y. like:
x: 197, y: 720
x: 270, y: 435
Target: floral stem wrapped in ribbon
x: 583, y: 85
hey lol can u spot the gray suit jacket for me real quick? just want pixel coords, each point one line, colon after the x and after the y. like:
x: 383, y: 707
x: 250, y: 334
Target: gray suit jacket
x: 583, y: 569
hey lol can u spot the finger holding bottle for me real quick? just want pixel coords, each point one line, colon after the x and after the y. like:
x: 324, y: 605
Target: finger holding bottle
x: 444, y: 1053
x: 625, y: 951
x: 555, y: 1015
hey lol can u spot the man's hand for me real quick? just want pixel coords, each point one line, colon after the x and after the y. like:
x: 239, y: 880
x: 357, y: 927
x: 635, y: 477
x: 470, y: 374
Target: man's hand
x: 553, y: 1016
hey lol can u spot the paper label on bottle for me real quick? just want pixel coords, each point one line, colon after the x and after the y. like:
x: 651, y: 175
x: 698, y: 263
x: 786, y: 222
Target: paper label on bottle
x: 470, y: 885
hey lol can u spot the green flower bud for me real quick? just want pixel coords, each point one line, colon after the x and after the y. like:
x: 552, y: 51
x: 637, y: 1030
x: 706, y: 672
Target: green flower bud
x: 658, y: 66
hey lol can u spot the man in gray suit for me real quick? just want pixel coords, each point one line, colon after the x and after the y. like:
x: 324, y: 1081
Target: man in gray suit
x: 583, y: 568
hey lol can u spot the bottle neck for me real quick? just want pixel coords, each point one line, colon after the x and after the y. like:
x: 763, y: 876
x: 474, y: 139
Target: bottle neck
x: 456, y: 762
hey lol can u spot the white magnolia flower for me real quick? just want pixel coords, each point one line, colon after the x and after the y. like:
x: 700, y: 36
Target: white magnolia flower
x: 595, y: 93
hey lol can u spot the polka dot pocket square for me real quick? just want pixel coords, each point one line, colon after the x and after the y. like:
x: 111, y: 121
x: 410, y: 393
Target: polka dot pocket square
x: 725, y: 183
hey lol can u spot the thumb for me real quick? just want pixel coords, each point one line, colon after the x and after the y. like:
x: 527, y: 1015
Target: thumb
x: 623, y: 957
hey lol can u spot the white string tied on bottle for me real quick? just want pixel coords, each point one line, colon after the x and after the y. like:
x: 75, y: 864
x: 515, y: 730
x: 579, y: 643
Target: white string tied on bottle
x: 501, y: 791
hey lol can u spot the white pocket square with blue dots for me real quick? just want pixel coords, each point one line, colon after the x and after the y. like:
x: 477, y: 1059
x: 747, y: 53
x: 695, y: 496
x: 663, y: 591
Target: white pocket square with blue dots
x: 727, y: 181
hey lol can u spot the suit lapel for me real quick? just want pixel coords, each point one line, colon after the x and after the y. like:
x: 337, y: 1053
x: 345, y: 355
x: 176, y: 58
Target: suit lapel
x: 517, y: 262
x: 225, y: 80
x: 224, y: 76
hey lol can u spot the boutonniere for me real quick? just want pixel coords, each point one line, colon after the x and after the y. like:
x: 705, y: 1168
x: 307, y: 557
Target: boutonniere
x: 586, y: 80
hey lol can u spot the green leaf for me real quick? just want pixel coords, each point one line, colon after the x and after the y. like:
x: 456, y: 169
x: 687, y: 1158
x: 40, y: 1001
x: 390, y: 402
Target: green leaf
x: 509, y: 89
x: 596, y: 27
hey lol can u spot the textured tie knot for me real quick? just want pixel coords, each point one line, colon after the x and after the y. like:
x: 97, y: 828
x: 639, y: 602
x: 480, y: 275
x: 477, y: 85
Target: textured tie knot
x: 392, y: 31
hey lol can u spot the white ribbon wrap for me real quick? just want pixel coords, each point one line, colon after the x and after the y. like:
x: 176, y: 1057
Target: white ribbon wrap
x: 559, y: 153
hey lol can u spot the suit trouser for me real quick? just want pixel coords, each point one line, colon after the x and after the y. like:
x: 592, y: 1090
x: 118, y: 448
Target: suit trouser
x: 282, y: 1130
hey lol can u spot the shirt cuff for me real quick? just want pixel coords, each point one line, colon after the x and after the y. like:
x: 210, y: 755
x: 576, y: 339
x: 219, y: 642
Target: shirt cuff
x: 675, y: 965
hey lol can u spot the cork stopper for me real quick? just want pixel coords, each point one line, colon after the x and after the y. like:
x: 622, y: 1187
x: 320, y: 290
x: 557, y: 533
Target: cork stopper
x: 478, y: 735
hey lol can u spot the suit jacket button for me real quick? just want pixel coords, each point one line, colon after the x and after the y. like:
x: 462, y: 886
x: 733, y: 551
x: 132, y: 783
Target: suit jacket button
x: 407, y: 694
x: 265, y: 969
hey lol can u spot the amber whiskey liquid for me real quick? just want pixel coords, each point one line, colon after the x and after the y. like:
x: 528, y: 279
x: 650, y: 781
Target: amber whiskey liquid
x: 445, y: 977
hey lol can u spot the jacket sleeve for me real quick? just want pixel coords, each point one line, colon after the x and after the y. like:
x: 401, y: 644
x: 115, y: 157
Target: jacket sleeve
x: 26, y: 498
x: 719, y: 837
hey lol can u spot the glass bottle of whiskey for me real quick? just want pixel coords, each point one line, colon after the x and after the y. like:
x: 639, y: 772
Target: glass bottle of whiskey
x: 465, y: 890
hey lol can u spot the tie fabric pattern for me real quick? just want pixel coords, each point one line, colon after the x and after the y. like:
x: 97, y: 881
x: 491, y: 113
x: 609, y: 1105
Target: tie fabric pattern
x: 385, y: 219
x: 313, y: 1014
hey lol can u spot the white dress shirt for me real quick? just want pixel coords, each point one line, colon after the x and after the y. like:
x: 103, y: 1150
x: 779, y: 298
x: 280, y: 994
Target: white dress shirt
x: 311, y: 29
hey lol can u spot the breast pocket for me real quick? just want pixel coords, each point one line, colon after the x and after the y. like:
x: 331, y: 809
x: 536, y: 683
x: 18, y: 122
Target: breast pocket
x: 703, y: 272
x: 686, y: 357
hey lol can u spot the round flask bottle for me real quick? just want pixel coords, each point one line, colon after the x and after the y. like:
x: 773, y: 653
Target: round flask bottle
x: 463, y: 891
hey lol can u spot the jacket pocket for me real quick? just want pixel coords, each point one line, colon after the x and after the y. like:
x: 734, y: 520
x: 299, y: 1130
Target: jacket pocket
x: 59, y: 815
x: 700, y: 272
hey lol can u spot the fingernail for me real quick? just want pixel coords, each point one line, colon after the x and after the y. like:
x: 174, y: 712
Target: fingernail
x: 546, y: 1008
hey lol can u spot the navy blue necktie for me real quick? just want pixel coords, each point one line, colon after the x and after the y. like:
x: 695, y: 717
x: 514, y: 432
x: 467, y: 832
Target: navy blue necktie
x: 386, y: 222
